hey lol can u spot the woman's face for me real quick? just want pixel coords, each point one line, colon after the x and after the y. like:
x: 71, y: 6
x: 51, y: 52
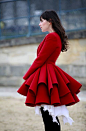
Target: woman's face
x: 44, y: 25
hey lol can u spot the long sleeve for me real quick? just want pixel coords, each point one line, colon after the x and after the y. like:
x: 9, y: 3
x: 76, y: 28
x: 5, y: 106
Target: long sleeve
x: 50, y: 44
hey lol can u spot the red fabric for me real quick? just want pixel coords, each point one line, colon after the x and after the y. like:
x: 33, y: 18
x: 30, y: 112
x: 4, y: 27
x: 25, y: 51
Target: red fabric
x: 46, y: 83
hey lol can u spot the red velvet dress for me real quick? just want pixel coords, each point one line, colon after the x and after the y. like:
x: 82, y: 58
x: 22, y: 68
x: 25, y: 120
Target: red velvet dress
x: 46, y: 83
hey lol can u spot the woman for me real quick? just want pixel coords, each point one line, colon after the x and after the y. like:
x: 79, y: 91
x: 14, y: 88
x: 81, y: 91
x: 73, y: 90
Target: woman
x: 47, y: 87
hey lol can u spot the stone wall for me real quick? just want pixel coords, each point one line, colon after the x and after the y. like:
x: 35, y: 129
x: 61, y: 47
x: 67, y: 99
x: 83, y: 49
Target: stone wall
x: 15, y: 61
x: 36, y: 39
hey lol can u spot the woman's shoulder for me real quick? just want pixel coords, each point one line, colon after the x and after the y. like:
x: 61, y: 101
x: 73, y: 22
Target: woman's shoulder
x: 52, y: 35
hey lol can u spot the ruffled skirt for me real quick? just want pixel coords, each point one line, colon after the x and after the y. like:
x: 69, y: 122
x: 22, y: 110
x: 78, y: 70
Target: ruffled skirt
x: 56, y: 111
x: 50, y: 85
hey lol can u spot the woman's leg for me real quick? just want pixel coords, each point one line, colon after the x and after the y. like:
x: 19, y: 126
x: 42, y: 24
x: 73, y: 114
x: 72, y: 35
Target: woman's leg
x: 48, y: 122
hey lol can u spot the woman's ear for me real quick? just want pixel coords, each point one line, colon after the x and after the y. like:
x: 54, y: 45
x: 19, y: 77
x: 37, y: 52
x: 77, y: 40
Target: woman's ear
x: 50, y: 21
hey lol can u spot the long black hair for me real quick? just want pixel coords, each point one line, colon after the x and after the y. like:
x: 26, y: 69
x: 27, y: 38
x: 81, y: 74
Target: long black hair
x: 51, y: 16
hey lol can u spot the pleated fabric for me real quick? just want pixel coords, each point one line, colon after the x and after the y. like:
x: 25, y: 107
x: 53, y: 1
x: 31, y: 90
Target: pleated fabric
x: 50, y: 85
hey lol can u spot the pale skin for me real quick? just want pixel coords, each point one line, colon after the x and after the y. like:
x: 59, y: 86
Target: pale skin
x: 46, y: 26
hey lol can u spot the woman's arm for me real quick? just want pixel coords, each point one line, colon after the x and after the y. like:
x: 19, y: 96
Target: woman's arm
x: 48, y: 48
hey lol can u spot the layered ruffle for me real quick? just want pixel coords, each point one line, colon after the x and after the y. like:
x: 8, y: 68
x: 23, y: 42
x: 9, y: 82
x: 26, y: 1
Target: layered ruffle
x: 56, y: 112
x: 50, y: 85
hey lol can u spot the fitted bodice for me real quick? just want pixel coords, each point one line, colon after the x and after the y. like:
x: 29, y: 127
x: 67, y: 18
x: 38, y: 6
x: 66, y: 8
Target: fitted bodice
x: 53, y: 57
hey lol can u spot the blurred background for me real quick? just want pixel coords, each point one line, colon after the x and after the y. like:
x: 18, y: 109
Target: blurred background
x: 20, y: 36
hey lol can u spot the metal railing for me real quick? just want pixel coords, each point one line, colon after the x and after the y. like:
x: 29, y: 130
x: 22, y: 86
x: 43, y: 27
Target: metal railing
x: 27, y: 25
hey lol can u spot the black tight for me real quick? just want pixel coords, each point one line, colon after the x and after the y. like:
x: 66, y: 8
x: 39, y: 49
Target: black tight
x: 48, y: 123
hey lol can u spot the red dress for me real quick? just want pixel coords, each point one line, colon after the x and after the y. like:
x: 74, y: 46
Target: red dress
x: 46, y: 83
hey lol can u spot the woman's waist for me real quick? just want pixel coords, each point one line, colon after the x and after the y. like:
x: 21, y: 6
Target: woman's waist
x: 50, y: 62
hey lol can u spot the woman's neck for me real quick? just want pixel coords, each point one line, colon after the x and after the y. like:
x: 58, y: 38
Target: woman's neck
x: 51, y: 30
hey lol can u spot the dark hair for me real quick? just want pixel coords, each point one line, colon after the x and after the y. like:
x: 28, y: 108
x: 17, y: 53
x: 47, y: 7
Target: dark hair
x: 52, y: 17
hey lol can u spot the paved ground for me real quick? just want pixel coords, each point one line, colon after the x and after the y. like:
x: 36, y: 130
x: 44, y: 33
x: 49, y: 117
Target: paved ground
x: 12, y: 92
